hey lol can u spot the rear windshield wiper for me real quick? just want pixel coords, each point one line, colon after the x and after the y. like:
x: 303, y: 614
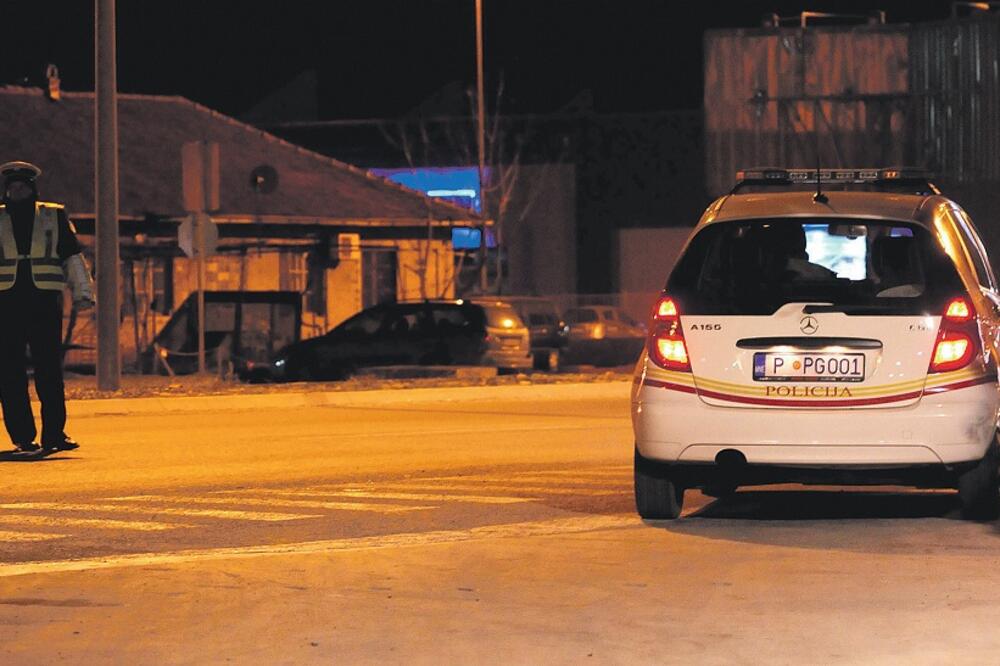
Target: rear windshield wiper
x: 852, y: 309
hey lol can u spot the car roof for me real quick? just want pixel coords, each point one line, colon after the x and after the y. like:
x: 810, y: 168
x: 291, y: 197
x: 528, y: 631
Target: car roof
x: 871, y: 205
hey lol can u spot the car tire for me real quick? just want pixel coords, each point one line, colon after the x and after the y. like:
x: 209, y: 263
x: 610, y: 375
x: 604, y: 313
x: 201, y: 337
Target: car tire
x: 979, y: 487
x: 657, y: 495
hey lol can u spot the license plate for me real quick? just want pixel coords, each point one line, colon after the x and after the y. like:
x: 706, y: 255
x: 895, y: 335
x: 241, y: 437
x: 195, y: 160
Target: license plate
x: 782, y: 367
x: 509, y: 341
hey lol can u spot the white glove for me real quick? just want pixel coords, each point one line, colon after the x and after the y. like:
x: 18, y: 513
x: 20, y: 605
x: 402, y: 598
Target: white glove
x: 80, y: 282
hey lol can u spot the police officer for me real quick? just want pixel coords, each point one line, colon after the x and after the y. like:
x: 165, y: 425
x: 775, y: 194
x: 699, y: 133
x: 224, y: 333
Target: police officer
x: 39, y: 252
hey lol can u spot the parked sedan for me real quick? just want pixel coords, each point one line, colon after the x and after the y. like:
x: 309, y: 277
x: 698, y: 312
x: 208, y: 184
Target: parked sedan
x: 414, y: 333
x: 602, y: 335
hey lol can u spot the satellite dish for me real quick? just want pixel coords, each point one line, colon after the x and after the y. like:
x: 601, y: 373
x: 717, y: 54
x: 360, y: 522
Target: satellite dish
x: 264, y: 179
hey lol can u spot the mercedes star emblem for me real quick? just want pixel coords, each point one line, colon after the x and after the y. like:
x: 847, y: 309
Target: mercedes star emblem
x: 808, y: 325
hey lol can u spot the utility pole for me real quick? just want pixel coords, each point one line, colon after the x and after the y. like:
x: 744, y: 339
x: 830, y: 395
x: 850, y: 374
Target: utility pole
x: 200, y: 180
x: 106, y: 188
x: 481, y: 144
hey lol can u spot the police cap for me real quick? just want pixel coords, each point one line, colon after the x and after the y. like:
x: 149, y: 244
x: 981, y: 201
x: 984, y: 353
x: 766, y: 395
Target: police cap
x: 25, y: 171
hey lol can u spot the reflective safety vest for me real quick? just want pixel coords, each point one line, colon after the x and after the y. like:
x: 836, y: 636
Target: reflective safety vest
x: 46, y: 267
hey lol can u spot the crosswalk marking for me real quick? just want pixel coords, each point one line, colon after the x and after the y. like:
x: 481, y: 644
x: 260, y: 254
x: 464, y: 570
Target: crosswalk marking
x: 376, y: 494
x: 593, y: 471
x: 252, y: 501
x: 8, y: 536
x: 538, y: 490
x: 124, y: 508
x: 487, y: 488
x: 97, y: 523
x: 471, y: 499
x: 554, y: 476
x: 513, y: 481
x: 543, y: 528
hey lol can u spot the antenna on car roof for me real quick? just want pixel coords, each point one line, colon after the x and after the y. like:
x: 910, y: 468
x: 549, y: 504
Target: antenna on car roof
x: 819, y: 197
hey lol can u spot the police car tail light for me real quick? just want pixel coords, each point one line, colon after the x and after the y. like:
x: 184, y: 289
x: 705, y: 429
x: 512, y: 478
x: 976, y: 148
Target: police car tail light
x: 956, y: 344
x: 666, y: 345
x: 958, y: 311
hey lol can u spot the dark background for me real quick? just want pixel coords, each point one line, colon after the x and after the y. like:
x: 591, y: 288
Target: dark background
x: 379, y: 58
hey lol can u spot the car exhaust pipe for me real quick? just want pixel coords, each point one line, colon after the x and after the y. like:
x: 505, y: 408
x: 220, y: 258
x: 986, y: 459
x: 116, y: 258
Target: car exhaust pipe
x: 730, y: 459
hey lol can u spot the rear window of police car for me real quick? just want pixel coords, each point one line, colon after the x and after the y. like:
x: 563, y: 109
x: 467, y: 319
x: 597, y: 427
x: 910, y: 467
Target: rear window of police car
x: 753, y: 267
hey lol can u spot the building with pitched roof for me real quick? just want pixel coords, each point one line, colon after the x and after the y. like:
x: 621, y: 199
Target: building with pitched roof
x: 289, y: 218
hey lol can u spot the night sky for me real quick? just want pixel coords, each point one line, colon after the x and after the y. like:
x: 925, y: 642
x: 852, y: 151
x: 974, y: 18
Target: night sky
x: 382, y: 58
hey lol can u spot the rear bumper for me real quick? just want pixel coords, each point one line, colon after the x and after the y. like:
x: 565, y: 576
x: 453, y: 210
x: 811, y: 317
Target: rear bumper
x: 946, y: 428
x: 517, y: 360
x: 707, y: 475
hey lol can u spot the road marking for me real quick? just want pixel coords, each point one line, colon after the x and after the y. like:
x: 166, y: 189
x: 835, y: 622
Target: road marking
x: 513, y: 481
x: 431, y: 497
x: 253, y: 501
x: 96, y: 523
x: 536, y: 490
x: 552, y: 476
x: 9, y: 536
x: 375, y: 494
x: 543, y: 528
x: 124, y: 508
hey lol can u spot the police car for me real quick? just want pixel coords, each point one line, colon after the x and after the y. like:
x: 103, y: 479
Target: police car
x: 823, y: 326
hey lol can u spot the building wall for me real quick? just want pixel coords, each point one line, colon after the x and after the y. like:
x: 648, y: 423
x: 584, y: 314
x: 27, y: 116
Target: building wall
x: 426, y: 269
x: 343, y: 288
x: 224, y: 272
x: 645, y: 259
x: 539, y: 233
x: 344, y: 283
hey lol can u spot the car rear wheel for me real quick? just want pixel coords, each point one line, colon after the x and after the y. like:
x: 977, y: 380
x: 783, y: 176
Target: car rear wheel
x: 657, y: 496
x: 979, y: 487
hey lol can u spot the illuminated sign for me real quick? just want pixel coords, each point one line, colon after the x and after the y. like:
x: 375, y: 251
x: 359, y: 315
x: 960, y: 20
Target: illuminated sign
x: 457, y: 185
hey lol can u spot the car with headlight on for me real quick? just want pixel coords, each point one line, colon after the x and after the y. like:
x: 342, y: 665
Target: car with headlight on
x: 838, y: 327
x: 431, y: 332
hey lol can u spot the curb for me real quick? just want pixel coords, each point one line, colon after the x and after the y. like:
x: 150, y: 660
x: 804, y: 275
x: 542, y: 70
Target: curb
x: 617, y: 390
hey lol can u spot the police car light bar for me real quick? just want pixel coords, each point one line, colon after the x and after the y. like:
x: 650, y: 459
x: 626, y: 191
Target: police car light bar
x: 778, y: 175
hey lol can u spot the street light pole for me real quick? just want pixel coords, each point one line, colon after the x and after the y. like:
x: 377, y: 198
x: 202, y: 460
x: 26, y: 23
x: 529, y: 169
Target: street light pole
x: 106, y: 186
x: 481, y: 143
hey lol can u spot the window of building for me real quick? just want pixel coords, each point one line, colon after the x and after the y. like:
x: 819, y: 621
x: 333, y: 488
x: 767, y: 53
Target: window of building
x: 378, y: 276
x: 293, y: 271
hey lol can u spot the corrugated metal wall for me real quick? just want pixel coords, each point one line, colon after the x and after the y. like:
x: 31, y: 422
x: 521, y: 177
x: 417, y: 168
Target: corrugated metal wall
x: 924, y: 94
x: 779, y: 96
x: 956, y: 85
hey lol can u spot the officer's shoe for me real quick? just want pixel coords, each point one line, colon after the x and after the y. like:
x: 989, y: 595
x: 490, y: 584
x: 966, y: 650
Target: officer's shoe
x: 65, y: 444
x: 27, y: 447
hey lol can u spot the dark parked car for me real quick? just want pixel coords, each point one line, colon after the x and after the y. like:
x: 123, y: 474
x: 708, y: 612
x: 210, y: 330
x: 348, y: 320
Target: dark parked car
x: 548, y: 332
x: 603, y: 335
x: 412, y: 333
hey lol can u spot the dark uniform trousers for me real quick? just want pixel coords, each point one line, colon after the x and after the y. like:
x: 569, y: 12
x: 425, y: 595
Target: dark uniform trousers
x: 31, y: 318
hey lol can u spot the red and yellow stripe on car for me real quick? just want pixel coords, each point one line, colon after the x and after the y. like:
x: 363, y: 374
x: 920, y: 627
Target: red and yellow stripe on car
x: 783, y: 394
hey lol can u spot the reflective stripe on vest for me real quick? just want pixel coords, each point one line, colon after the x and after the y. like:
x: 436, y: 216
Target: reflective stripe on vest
x: 8, y: 251
x: 46, y: 268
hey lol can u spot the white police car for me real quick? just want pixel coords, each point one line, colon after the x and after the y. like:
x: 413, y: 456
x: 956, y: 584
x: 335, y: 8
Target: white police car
x: 834, y: 330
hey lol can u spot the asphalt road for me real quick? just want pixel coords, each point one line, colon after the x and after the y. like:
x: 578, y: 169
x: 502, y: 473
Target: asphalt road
x: 477, y: 527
